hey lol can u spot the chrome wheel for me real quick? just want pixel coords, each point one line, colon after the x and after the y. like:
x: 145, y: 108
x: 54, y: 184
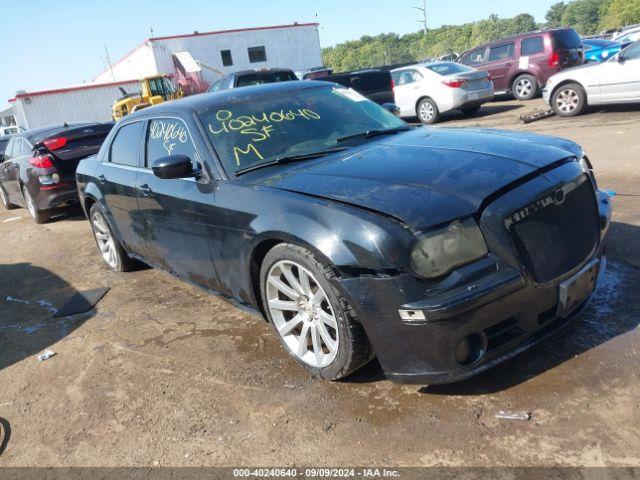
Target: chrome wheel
x: 426, y: 111
x: 104, y: 240
x: 3, y: 196
x: 567, y: 100
x: 524, y: 87
x: 31, y: 206
x: 302, y: 314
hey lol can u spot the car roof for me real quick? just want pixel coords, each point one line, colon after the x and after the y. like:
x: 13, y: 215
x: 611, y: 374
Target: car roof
x: 515, y: 37
x: 225, y: 97
x: 259, y: 70
x: 600, y: 42
x: 425, y: 65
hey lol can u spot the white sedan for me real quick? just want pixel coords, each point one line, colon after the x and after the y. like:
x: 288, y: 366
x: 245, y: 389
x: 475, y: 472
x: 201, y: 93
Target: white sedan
x: 616, y: 80
x: 426, y: 90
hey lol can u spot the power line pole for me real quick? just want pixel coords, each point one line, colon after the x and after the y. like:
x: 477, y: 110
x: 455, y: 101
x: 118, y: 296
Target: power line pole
x: 108, y: 59
x: 423, y: 11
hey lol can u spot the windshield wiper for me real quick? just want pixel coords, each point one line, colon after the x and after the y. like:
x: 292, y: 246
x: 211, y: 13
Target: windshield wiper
x: 373, y: 133
x: 290, y: 159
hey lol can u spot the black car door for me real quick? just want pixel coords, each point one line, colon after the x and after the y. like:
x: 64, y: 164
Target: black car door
x: 14, y: 156
x: 117, y: 177
x: 178, y: 213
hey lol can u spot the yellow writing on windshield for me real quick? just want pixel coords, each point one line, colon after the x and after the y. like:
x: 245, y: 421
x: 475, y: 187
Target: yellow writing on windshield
x: 237, y: 151
x: 258, y: 127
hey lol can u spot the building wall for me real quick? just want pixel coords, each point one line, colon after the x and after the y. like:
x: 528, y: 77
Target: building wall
x: 138, y: 64
x: 295, y: 47
x: 69, y: 105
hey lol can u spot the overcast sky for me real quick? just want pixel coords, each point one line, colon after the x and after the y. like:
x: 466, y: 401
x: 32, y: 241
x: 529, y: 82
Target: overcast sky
x: 53, y: 44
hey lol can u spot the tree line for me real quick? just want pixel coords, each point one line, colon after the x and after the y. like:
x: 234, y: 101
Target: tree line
x: 586, y: 16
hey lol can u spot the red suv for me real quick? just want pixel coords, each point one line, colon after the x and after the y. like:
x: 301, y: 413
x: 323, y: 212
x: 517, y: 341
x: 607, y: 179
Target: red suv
x: 522, y: 64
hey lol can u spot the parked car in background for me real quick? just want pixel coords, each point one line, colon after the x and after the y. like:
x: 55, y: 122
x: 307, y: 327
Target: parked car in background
x: 522, y: 64
x: 375, y: 84
x: 443, y: 252
x: 247, y: 78
x: 628, y: 35
x: 4, y: 139
x: 39, y: 167
x: 430, y: 89
x: 316, y: 72
x: 616, y: 80
x: 598, y: 50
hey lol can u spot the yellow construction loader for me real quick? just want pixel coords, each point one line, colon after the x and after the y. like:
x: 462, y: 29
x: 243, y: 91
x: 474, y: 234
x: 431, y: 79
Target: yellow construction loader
x: 153, y: 90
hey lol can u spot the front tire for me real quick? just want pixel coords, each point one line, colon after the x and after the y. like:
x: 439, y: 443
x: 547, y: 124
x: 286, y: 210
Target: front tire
x: 569, y: 100
x: 314, y: 323
x: 5, y: 200
x: 40, y: 216
x: 525, y: 87
x: 112, y: 252
x: 428, y: 112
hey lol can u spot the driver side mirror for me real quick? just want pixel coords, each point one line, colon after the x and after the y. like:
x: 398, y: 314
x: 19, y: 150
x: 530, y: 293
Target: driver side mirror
x: 392, y: 108
x: 174, y: 166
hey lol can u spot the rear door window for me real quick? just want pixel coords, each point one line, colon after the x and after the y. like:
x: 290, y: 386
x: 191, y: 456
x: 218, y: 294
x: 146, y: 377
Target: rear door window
x: 476, y: 57
x: 406, y: 77
x: 169, y: 136
x: 566, y: 39
x: 501, y: 52
x: 531, y: 46
x: 125, y: 147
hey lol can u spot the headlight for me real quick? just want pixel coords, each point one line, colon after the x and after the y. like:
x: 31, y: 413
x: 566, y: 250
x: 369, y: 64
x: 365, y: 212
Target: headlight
x: 440, y: 251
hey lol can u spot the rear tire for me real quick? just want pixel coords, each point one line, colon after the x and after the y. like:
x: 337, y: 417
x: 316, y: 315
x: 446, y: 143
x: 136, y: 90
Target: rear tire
x: 471, y: 110
x: 110, y: 248
x: 428, y: 112
x: 525, y: 87
x: 40, y: 216
x: 569, y: 100
x: 5, y: 200
x: 313, y: 321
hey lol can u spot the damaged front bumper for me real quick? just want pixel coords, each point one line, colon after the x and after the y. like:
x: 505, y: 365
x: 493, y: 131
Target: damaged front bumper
x: 479, y: 316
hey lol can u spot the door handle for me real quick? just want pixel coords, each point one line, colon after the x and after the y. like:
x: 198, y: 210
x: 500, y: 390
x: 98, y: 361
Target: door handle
x: 145, y: 190
x: 102, y: 178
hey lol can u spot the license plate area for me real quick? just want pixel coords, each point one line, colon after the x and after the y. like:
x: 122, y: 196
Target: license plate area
x: 575, y: 290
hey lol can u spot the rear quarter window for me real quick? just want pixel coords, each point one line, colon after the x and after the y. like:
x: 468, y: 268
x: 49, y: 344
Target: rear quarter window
x: 531, y: 46
x: 125, y: 147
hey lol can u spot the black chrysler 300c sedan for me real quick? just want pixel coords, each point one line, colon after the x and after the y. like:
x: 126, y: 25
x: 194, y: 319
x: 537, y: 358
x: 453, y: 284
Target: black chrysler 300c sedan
x: 440, y: 251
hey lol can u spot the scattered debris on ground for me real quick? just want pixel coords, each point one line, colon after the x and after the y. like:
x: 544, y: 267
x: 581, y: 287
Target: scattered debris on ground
x: 507, y: 415
x: 537, y: 115
x: 46, y: 355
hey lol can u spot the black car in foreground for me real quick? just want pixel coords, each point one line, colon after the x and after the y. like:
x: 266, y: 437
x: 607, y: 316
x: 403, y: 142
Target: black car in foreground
x: 38, y: 170
x: 440, y: 251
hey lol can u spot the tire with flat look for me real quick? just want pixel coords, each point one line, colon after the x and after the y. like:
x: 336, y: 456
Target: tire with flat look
x: 112, y: 252
x: 314, y: 323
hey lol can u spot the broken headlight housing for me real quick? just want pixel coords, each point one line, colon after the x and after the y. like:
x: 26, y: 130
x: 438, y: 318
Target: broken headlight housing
x: 440, y: 251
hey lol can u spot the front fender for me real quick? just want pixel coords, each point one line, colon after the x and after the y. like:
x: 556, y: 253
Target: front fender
x: 341, y: 235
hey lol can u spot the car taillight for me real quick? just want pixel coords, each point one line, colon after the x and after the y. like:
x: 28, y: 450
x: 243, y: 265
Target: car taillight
x: 55, y: 143
x: 41, y: 161
x: 454, y: 83
x: 554, y: 59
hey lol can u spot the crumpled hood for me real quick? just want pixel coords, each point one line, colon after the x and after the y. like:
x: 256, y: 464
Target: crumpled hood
x: 426, y: 176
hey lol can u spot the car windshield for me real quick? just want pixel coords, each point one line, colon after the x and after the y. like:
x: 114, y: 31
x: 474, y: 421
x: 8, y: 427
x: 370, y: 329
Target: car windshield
x: 268, y: 77
x: 449, y: 68
x: 299, y: 122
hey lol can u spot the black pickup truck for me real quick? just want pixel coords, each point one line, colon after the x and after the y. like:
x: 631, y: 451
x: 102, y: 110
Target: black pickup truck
x: 374, y: 84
